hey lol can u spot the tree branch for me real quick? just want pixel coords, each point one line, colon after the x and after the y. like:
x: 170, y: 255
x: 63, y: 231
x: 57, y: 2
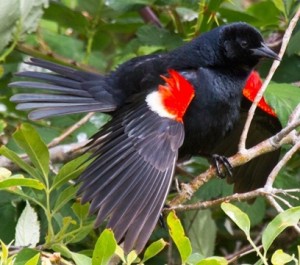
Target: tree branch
x: 70, y: 130
x: 234, y: 197
x: 285, y: 41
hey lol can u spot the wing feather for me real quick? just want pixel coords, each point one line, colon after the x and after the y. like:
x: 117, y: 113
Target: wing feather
x: 127, y: 182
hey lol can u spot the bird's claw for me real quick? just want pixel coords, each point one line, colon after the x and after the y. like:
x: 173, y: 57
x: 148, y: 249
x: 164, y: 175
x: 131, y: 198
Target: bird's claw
x: 161, y: 221
x: 219, y: 161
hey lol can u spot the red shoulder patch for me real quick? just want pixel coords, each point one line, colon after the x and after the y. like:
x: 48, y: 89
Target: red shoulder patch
x: 176, y: 94
x: 253, y: 85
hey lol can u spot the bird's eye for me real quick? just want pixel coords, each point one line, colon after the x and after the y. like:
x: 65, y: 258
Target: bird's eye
x: 244, y: 44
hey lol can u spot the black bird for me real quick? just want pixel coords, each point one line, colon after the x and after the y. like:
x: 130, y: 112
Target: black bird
x: 163, y: 106
x: 265, y: 124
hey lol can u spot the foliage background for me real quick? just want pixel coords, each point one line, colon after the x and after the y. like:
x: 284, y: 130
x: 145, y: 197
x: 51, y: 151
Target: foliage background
x: 99, y: 35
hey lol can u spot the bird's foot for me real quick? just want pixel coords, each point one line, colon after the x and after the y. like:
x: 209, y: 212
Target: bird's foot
x: 219, y: 161
x: 162, y: 221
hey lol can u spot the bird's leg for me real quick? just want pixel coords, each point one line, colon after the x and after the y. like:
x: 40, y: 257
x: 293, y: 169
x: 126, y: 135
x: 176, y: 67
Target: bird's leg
x: 162, y: 221
x: 218, y: 161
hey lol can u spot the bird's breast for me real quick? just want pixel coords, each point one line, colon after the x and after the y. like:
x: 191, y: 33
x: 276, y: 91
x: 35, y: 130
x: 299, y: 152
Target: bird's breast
x: 212, y: 113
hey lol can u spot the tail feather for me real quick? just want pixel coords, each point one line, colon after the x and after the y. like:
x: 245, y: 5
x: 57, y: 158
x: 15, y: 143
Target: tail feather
x: 64, y: 91
x: 42, y: 113
x: 52, y: 78
x: 70, y: 90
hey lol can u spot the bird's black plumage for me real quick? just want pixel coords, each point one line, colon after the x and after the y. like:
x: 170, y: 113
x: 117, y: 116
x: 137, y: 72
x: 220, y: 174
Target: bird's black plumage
x: 253, y: 174
x: 135, y: 153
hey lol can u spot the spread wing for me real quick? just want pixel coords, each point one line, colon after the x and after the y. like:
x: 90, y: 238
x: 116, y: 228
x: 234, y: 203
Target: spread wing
x: 130, y: 176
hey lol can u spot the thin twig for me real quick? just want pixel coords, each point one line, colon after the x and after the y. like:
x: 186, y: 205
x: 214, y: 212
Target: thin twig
x: 279, y: 209
x: 70, y: 130
x: 285, y: 41
x: 244, y: 251
x: 280, y: 165
x: 235, y: 197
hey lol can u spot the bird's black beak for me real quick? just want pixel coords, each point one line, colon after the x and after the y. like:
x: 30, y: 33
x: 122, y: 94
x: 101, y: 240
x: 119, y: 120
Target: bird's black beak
x: 265, y: 51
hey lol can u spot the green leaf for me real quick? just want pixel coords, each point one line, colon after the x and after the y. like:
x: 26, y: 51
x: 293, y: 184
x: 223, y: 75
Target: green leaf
x: 195, y: 258
x: 298, y: 247
x: 201, y: 223
x: 18, y: 161
x: 283, y: 98
x: 64, y: 197
x: 264, y: 19
x: 65, y: 17
x: 131, y: 257
x: 177, y: 233
x: 279, y: 257
x: 34, y: 260
x: 105, y: 248
x: 18, y: 181
x: 69, y: 171
x: 237, y: 216
x: 3, y: 123
x: 293, y: 46
x: 4, y: 251
x: 256, y: 211
x: 120, y: 253
x: 81, y: 259
x: 213, y: 261
x: 283, y: 220
x: 125, y: 5
x: 154, y: 249
x: 79, y: 236
x: 280, y: 6
x: 150, y: 35
x: 25, y: 255
x: 80, y: 210
x: 30, y: 141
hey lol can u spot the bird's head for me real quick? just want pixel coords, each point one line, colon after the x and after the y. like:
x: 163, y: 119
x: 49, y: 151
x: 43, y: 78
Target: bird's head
x: 243, y: 45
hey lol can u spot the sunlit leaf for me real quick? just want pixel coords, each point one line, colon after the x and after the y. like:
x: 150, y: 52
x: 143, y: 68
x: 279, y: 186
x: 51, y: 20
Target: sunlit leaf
x: 237, y: 216
x: 34, y: 260
x: 18, y: 161
x: 182, y: 243
x: 280, y: 258
x: 213, y: 261
x: 105, y: 248
x: 30, y: 141
x: 18, y: 181
x: 283, y: 220
x: 154, y: 249
x: 201, y: 223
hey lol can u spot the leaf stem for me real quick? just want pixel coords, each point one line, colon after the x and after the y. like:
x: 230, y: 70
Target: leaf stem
x: 257, y: 250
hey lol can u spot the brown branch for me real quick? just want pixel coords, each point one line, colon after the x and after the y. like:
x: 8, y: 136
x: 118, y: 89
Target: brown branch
x: 70, y: 130
x: 269, y: 145
x: 280, y: 164
x: 285, y: 41
x: 234, y: 197
x: 58, y: 154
